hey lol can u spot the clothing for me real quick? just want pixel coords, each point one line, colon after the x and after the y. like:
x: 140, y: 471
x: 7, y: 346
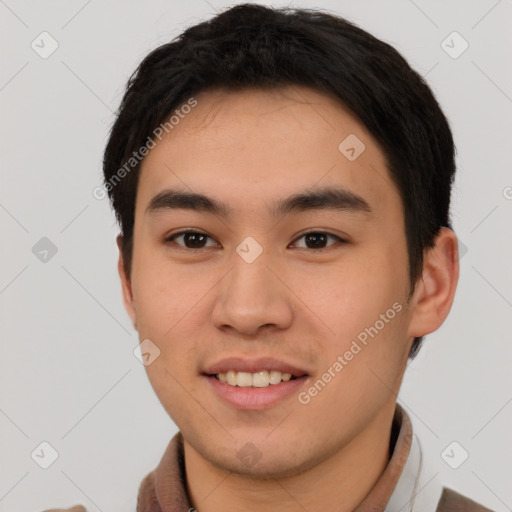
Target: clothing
x: 405, y: 485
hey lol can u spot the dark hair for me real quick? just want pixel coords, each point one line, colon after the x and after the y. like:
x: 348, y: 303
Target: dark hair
x: 251, y: 45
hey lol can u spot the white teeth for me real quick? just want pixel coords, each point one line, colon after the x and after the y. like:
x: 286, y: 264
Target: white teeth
x: 231, y: 378
x: 275, y: 377
x: 243, y: 379
x: 258, y: 380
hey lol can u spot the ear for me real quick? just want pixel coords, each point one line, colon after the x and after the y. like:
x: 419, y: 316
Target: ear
x: 433, y: 296
x: 125, y: 284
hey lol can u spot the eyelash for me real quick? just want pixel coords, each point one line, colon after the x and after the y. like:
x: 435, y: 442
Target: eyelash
x: 316, y: 232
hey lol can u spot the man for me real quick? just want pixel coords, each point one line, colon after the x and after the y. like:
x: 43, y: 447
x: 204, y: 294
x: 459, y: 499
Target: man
x: 282, y: 182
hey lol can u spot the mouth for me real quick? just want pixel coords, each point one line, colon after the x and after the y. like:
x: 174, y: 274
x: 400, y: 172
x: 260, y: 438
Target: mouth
x: 256, y: 384
x: 261, y: 379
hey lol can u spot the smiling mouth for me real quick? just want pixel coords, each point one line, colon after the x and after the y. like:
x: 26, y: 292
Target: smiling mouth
x: 261, y: 379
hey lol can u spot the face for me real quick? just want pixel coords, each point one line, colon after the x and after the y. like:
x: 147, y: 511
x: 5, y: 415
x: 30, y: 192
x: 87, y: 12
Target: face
x: 316, y: 286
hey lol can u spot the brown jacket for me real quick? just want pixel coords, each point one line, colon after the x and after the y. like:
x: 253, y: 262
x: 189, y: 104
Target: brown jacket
x: 450, y: 501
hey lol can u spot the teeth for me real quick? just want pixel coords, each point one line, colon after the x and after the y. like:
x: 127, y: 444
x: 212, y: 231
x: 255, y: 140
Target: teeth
x: 243, y: 379
x: 258, y: 380
x: 231, y: 378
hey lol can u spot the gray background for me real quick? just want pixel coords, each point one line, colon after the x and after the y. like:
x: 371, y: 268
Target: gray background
x: 68, y: 375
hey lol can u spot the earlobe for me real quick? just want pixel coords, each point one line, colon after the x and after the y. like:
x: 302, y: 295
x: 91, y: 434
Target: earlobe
x: 126, y: 286
x: 435, y: 290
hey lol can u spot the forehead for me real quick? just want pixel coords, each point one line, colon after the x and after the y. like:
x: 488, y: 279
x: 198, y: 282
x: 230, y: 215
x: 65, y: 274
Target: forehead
x: 266, y: 143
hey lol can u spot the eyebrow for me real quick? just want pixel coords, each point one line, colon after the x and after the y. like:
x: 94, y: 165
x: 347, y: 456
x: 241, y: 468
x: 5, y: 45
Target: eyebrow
x: 327, y: 198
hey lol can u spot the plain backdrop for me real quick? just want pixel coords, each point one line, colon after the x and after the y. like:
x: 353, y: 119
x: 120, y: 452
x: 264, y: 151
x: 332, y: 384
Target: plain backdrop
x: 68, y: 373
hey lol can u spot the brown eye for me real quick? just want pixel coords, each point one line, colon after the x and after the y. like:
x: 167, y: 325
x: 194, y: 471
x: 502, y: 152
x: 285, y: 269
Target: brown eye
x: 318, y: 239
x: 190, y: 239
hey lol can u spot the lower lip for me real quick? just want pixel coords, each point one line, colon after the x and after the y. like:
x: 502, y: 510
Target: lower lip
x: 251, y: 398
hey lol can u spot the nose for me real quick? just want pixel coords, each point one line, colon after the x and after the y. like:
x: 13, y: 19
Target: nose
x: 251, y: 297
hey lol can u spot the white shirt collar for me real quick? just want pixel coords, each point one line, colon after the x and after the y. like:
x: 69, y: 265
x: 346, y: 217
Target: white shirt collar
x: 418, y: 488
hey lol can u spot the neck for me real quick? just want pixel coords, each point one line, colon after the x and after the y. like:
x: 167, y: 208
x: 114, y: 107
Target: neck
x: 339, y: 483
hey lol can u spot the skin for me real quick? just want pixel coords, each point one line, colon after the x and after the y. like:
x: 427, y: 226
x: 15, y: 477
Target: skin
x: 293, y: 302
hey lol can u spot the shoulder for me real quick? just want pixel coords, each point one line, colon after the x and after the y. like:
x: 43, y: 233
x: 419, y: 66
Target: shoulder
x: 147, y: 498
x: 452, y: 501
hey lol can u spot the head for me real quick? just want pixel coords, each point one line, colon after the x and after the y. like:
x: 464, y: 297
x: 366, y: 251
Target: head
x: 268, y: 124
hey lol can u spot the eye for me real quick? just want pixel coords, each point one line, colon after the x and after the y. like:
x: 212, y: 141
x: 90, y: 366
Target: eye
x: 198, y: 240
x: 317, y: 239
x: 190, y: 239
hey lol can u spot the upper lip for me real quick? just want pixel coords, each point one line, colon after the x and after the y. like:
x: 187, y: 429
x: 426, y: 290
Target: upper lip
x: 240, y: 364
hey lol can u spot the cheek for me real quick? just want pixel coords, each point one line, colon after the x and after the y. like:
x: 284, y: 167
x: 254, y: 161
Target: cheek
x: 358, y: 374
x: 365, y: 312
x: 174, y: 391
x: 350, y: 299
x: 169, y: 312
x: 161, y: 292
x: 156, y: 307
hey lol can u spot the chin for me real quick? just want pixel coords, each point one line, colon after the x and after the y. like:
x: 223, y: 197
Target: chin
x: 259, y: 461
x: 263, y: 469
